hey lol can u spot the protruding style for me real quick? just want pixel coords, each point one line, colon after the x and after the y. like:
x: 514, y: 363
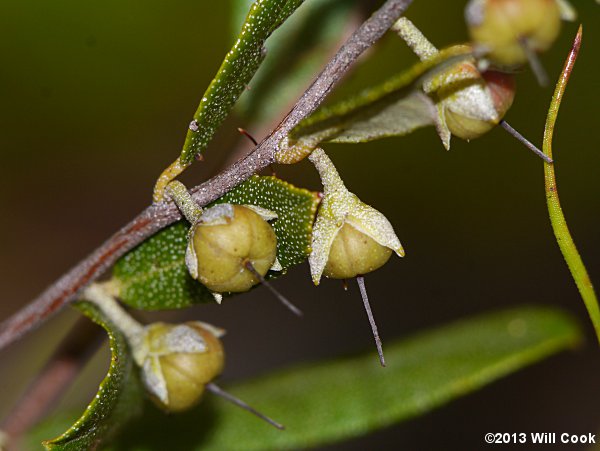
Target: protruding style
x: 469, y: 102
x: 178, y: 362
x: 342, y: 217
x: 224, y: 239
x: 350, y: 238
x: 213, y: 388
x: 230, y: 247
x: 365, y: 298
x: 510, y: 29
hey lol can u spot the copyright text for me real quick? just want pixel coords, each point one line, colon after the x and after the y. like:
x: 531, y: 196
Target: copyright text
x: 538, y: 437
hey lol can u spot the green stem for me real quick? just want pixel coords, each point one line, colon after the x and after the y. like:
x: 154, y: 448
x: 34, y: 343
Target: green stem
x: 188, y: 207
x: 134, y: 332
x: 330, y: 177
x: 168, y: 175
x: 559, y: 224
x: 415, y: 39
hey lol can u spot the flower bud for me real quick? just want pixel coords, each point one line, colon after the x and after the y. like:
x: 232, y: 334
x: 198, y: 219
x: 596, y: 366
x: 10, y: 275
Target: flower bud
x: 354, y: 253
x: 224, y: 241
x: 179, y: 360
x: 504, y: 27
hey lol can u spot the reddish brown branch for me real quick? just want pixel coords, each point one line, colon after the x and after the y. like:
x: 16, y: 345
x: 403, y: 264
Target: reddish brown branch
x: 53, y: 380
x: 160, y: 215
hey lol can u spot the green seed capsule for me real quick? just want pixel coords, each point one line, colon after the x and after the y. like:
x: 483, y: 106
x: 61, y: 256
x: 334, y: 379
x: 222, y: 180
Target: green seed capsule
x: 504, y: 27
x: 224, y: 248
x: 464, y: 121
x: 354, y: 253
x: 180, y: 361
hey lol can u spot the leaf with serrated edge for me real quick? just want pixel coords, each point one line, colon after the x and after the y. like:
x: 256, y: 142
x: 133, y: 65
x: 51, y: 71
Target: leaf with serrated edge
x: 236, y: 71
x: 119, y: 398
x: 153, y: 276
x: 333, y: 401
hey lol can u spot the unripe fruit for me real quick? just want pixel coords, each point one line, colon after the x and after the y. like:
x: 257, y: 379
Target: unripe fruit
x: 468, y: 123
x: 354, y: 253
x: 223, y: 249
x: 349, y: 237
x: 177, y: 379
x: 505, y: 26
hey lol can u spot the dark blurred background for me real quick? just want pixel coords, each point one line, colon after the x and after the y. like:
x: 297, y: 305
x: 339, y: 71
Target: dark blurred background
x: 96, y: 98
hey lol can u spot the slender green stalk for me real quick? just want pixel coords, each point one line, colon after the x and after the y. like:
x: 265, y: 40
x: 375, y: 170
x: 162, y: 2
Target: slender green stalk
x: 134, y: 332
x: 559, y: 224
x: 415, y: 39
x: 188, y: 207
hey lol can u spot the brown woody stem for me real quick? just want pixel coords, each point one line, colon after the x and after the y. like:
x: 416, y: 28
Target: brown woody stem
x: 161, y: 214
x: 54, y: 379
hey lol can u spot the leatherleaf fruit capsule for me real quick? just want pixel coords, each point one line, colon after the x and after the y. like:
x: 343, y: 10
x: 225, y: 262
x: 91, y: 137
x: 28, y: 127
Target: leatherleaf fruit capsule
x: 224, y: 248
x: 354, y: 253
x: 505, y: 27
x: 175, y: 375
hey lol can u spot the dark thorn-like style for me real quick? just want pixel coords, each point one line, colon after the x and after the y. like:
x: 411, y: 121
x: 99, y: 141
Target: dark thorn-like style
x: 506, y: 126
x: 345, y: 284
x: 534, y: 62
x: 251, y: 138
x: 250, y: 267
x: 365, y: 298
x: 248, y: 135
x: 213, y: 388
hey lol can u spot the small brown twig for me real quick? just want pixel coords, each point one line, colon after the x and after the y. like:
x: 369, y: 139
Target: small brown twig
x: 54, y: 378
x: 161, y: 214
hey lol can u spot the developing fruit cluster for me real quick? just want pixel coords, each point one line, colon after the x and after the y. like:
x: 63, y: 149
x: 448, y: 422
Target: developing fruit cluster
x: 231, y: 248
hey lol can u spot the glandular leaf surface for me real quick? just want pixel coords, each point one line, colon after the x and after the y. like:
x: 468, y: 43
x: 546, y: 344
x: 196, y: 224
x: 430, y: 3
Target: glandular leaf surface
x: 153, y: 276
x: 120, y: 396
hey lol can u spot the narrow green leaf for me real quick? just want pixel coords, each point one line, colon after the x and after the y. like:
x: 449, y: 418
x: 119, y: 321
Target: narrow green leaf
x: 330, y: 402
x: 297, y: 50
x: 334, y: 401
x: 239, y: 11
x: 119, y: 397
x: 393, y: 108
x: 557, y: 217
x: 236, y: 71
x: 153, y: 276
